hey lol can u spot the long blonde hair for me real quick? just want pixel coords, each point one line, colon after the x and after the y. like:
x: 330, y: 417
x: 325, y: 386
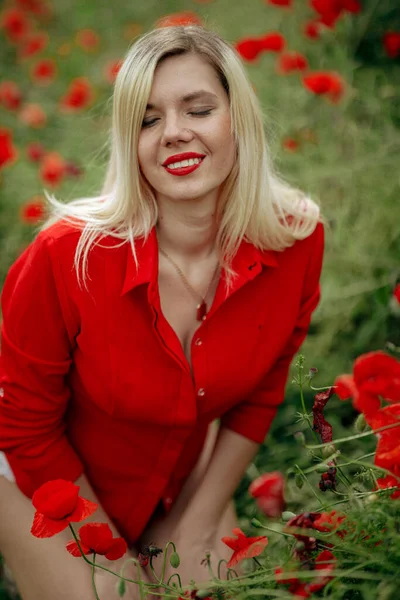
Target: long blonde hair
x: 254, y: 203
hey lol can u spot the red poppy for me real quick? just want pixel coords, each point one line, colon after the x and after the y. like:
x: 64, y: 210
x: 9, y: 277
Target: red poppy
x: 268, y: 489
x: 328, y: 83
x: 390, y: 482
x: 36, y: 7
x: 15, y: 24
x: 8, y: 152
x: 352, y: 6
x: 10, y: 95
x: 98, y: 538
x: 33, y: 211
x: 280, y: 2
x: 79, y: 95
x: 312, y: 30
x: 73, y: 169
x: 320, y: 424
x: 331, y: 521
x: 391, y: 43
x: 53, y: 169
x: 288, y: 62
x: 186, y: 17
x: 32, y: 115
x: 273, y: 42
x: 323, y: 566
x: 396, y: 293
x: 33, y: 44
x: 57, y: 505
x: 244, y: 547
x: 290, y: 144
x: 88, y: 39
x: 44, y: 71
x: 35, y: 151
x: 111, y: 70
x: 249, y: 48
x: 378, y: 373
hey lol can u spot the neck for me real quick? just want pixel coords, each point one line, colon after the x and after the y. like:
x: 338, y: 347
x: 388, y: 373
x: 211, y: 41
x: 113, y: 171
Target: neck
x: 187, y: 231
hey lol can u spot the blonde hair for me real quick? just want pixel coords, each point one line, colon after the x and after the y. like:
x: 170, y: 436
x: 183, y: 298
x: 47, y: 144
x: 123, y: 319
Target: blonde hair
x: 254, y: 202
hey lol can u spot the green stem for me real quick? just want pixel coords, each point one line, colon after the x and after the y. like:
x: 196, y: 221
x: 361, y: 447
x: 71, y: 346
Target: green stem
x: 257, y: 562
x: 353, y: 437
x: 310, y: 486
x: 93, y: 572
x: 164, y: 565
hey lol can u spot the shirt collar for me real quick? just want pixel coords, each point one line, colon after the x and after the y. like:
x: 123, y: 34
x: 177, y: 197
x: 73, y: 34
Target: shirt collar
x: 247, y: 262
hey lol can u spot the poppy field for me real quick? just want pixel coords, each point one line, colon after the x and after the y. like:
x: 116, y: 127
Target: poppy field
x: 319, y: 508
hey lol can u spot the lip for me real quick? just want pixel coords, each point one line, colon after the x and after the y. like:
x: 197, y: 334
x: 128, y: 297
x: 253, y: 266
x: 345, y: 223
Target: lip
x: 182, y: 156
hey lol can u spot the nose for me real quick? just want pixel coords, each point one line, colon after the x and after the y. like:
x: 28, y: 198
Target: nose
x: 175, y: 131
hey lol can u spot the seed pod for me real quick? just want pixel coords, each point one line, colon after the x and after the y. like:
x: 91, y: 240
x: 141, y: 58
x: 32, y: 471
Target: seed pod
x: 256, y: 523
x: 287, y: 515
x: 360, y: 424
x: 121, y: 587
x: 327, y: 451
x: 203, y: 593
x: 299, y: 481
x: 174, y: 560
x: 322, y: 468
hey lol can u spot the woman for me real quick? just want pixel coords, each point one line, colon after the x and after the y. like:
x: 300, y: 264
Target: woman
x: 139, y: 317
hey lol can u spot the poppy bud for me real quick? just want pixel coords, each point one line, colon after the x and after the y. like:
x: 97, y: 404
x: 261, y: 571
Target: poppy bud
x: 121, y: 587
x: 321, y: 468
x: 174, y: 560
x: 327, y: 451
x: 203, y: 594
x: 256, y: 523
x: 299, y: 481
x: 287, y: 515
x: 360, y: 423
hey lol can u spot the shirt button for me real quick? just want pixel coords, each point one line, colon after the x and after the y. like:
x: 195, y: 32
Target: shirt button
x: 201, y: 392
x: 198, y: 342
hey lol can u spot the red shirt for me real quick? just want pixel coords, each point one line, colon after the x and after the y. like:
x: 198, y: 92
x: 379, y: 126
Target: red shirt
x: 96, y: 381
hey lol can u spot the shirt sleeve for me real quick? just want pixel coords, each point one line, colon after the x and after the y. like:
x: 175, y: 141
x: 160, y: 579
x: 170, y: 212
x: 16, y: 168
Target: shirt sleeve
x: 253, y: 417
x: 36, y: 347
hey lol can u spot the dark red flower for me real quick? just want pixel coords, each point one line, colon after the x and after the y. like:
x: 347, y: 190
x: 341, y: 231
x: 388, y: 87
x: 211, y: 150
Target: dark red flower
x: 396, y: 293
x: 391, y: 43
x: 10, y: 95
x: 288, y: 62
x: 352, y: 6
x: 328, y: 83
x: 273, y: 42
x: 378, y: 374
x: 243, y: 546
x: 303, y: 521
x: 32, y: 115
x: 324, y: 565
x: 88, y: 39
x: 33, y: 44
x: 320, y: 424
x: 312, y: 30
x: 44, y: 71
x: 35, y: 151
x: 33, y: 211
x: 73, y: 169
x: 15, y: 24
x: 249, y: 48
x: 390, y: 482
x: 268, y: 490
x: 78, y: 96
x: 332, y: 521
x: 143, y: 560
x: 57, y: 505
x: 280, y: 2
x: 37, y: 7
x: 186, y: 17
x: 8, y: 152
x: 53, y: 169
x: 98, y: 538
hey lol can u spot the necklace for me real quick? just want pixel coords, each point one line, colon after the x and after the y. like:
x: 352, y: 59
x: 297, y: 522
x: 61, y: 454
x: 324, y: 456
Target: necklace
x: 201, y: 308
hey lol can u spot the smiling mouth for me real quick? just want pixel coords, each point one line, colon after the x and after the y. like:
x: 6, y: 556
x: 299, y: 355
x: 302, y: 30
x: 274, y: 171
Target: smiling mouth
x: 184, y: 167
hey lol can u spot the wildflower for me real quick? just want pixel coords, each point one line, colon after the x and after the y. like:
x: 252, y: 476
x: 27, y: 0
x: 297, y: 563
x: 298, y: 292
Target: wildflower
x: 33, y: 44
x: 389, y: 482
x: 10, y: 95
x: 87, y: 39
x: 268, y: 490
x: 44, y: 71
x: 244, y: 547
x: 111, y: 70
x: 52, y: 169
x: 391, y: 43
x: 282, y: 3
x: 143, y: 560
x: 312, y: 30
x: 273, y: 42
x: 328, y: 480
x: 308, y: 542
x: 378, y: 373
x: 98, y: 538
x: 8, y: 152
x: 289, y: 62
x: 249, y: 48
x: 328, y: 83
x: 57, y: 505
x: 32, y: 115
x: 290, y: 144
x: 78, y: 96
x: 36, y: 7
x: 320, y: 424
x: 186, y: 17
x: 323, y: 566
x: 396, y: 293
x: 33, y: 211
x: 35, y: 151
x: 73, y: 169
x: 15, y: 24
x: 327, y: 522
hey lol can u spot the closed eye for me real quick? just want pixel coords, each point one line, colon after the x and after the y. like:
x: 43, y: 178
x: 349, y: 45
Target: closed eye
x: 199, y: 113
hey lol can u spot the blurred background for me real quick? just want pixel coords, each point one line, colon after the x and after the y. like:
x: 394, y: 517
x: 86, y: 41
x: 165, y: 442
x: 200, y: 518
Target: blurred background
x: 327, y: 74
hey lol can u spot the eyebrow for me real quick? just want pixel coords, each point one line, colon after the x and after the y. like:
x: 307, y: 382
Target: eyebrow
x: 190, y: 97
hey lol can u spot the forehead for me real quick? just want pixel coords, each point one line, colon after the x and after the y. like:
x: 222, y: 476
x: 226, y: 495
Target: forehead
x: 184, y: 78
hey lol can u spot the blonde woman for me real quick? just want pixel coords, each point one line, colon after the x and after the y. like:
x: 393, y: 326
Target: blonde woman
x: 138, y: 318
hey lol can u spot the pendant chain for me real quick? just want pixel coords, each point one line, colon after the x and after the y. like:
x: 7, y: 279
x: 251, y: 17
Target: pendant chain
x: 202, y: 306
